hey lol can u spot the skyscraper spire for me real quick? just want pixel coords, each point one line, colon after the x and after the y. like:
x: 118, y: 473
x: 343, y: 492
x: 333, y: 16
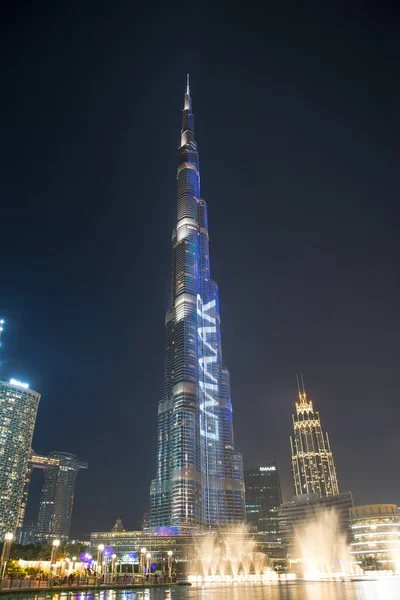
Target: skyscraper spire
x: 199, y: 480
x: 187, y: 133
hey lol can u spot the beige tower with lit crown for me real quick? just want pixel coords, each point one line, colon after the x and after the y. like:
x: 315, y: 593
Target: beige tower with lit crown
x: 313, y: 466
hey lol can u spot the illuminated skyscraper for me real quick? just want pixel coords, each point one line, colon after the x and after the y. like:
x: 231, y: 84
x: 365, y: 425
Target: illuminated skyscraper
x: 313, y: 466
x: 57, y: 499
x: 199, y: 479
x: 18, y: 408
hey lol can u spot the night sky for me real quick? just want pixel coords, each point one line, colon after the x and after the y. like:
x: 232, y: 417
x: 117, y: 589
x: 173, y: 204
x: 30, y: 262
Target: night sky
x: 297, y: 121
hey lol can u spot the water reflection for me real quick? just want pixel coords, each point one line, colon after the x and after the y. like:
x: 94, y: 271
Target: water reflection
x: 385, y: 589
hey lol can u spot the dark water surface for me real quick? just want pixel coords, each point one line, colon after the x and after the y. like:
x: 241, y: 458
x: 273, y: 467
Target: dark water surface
x: 388, y: 589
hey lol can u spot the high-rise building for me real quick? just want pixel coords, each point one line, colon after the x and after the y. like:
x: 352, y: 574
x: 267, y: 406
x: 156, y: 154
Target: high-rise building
x: 313, y: 466
x: 199, y: 480
x: 57, y: 498
x: 263, y: 500
x: 18, y: 409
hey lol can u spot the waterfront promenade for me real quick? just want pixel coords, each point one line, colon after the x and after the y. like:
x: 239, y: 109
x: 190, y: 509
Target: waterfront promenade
x: 24, y: 585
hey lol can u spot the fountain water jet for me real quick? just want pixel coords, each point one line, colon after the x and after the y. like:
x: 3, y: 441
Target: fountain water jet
x: 321, y: 547
x: 229, y: 556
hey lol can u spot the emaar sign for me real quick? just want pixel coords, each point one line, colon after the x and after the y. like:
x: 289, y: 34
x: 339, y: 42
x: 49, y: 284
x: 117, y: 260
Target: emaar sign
x: 267, y: 468
x: 208, y: 383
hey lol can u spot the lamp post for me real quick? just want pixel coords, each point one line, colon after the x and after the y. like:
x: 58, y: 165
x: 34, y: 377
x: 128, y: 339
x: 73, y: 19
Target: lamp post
x: 73, y: 562
x: 88, y: 558
x: 170, y: 553
x: 100, y: 549
x: 104, y: 567
x: 66, y: 564
x: 142, y: 555
x: 54, y: 553
x: 5, y: 555
x: 148, y: 556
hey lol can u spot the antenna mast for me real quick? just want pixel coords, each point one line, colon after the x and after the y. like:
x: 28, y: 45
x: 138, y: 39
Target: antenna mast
x: 302, y: 382
x: 298, y: 384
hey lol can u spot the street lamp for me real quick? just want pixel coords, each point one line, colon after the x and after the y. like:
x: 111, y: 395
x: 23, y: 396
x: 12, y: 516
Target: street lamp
x: 54, y: 553
x: 100, y: 549
x: 170, y: 553
x: 142, y: 555
x: 5, y: 555
x: 73, y: 562
x: 148, y: 556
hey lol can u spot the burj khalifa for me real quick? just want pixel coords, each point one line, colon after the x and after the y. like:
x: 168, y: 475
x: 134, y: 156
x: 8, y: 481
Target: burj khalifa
x: 199, y: 482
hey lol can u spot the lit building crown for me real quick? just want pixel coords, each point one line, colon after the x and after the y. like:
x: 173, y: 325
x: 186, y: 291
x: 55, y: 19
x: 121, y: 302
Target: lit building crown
x: 313, y: 466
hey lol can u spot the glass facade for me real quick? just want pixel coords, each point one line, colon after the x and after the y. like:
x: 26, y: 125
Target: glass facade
x: 199, y: 478
x: 313, y: 466
x: 263, y: 500
x: 18, y: 409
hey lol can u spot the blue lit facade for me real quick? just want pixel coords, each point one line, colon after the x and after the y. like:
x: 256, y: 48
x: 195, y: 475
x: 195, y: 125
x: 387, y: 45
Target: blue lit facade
x: 199, y: 479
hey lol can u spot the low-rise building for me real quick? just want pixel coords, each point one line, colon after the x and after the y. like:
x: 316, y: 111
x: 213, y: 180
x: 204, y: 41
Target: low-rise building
x: 186, y: 548
x: 375, y: 536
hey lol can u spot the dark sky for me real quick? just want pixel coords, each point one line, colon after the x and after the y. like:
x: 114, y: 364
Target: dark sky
x: 297, y: 121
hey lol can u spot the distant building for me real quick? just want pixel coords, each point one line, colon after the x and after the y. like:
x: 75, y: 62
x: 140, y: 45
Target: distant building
x: 375, y: 536
x: 314, y: 475
x: 263, y: 499
x: 18, y: 409
x: 313, y: 466
x: 146, y: 520
x: 26, y: 535
x: 57, y: 498
x: 119, y: 526
x: 293, y: 515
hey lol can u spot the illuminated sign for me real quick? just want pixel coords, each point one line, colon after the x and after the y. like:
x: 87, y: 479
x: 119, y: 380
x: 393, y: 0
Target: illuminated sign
x: 208, y: 382
x: 16, y: 382
x: 267, y: 468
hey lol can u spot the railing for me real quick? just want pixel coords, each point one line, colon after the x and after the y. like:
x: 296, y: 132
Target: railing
x: 86, y: 581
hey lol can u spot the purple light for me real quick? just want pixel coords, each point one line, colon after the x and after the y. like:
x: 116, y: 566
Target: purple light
x: 108, y: 552
x: 84, y: 557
